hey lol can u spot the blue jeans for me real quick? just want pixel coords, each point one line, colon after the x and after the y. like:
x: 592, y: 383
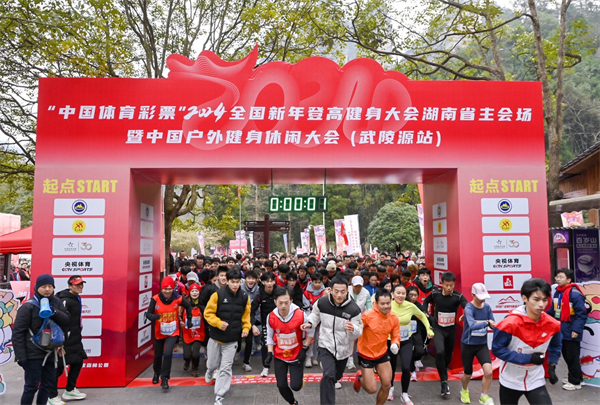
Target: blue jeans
x: 40, y: 376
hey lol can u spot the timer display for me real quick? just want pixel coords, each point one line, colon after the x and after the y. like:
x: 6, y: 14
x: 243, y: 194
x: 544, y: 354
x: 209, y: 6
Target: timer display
x: 298, y: 204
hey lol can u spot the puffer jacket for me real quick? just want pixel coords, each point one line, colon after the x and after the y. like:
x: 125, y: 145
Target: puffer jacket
x: 333, y: 337
x: 74, y: 351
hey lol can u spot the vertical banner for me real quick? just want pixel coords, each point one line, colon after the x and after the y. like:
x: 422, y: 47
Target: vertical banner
x: 421, y: 227
x: 201, y: 242
x: 340, y: 237
x: 586, y: 255
x: 9, y: 305
x: 285, y: 242
x: 240, y: 235
x: 590, y: 346
x: 306, y: 244
x: 320, y: 240
x: 353, y: 232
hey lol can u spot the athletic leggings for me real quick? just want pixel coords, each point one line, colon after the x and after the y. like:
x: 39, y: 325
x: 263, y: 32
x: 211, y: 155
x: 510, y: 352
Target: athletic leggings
x: 405, y: 354
x: 296, y: 370
x: 538, y: 396
x: 418, y: 346
x: 444, y: 346
x: 164, y: 348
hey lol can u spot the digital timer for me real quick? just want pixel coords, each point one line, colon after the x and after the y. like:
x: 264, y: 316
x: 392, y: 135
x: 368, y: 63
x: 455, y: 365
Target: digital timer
x: 297, y: 204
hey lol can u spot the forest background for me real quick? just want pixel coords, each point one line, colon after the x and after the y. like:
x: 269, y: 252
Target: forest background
x: 552, y: 41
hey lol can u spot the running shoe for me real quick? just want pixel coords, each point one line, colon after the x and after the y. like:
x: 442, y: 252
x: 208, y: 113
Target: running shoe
x: 418, y: 365
x: 350, y: 365
x: 246, y: 367
x: 208, y: 377
x: 406, y: 399
x: 566, y: 381
x: 464, y: 396
x: 413, y: 376
x: 356, y: 384
x: 338, y: 385
x: 391, y: 394
x: 186, y: 364
x: 308, y: 362
x: 155, y: 378
x: 55, y: 401
x: 165, y: 383
x: 316, y: 362
x: 218, y: 401
x: 445, y: 390
x: 486, y: 400
x: 74, y: 394
x: 264, y: 372
x: 568, y: 386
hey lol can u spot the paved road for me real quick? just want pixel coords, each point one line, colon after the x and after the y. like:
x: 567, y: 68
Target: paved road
x: 422, y: 392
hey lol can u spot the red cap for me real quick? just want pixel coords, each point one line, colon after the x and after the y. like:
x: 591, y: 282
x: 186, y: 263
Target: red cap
x: 75, y: 280
x: 167, y: 282
x: 196, y: 286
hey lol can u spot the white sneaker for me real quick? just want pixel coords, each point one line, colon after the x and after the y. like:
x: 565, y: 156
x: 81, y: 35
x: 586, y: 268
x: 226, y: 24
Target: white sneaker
x: 264, y: 372
x: 208, y: 377
x: 247, y: 367
x: 308, y: 363
x: 391, y: 394
x: 316, y: 362
x: 571, y: 387
x: 413, y: 376
x: 406, y: 399
x: 218, y: 401
x: 566, y: 381
x: 350, y: 365
x: 55, y: 401
x: 338, y: 385
x: 418, y: 364
x: 75, y: 394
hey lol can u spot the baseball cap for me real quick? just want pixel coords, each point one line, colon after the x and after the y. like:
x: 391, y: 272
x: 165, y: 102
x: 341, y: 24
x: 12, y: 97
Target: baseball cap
x: 480, y: 291
x: 75, y: 280
x: 357, y: 280
x: 192, y: 276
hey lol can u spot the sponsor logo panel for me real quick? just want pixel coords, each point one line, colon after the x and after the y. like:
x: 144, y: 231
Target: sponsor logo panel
x: 81, y: 266
x: 503, y: 206
x: 145, y: 282
x: 440, y: 262
x: 142, y: 321
x: 91, y: 306
x: 92, y: 286
x: 92, y: 347
x: 144, y: 300
x: 145, y: 264
x: 440, y: 227
x: 505, y: 302
x: 146, y: 246
x: 439, y: 211
x: 146, y: 229
x: 78, y: 226
x: 504, y: 263
x: 505, y: 282
x: 80, y: 207
x: 505, y: 224
x: 144, y: 336
x: 92, y: 327
x: 440, y: 244
x: 147, y: 212
x: 80, y: 246
x: 506, y: 244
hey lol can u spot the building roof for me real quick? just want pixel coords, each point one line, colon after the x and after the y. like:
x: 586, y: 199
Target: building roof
x: 581, y: 157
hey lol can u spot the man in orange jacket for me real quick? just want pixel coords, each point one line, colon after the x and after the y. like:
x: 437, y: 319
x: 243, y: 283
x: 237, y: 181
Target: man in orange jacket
x: 378, y: 324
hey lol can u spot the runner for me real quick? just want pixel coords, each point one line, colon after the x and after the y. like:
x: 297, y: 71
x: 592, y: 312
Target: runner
x: 341, y: 325
x: 194, y: 336
x: 473, y: 343
x: 378, y: 324
x: 164, y: 312
x: 265, y: 302
x: 283, y: 339
x: 419, y: 337
x: 521, y: 340
x: 446, y: 302
x: 405, y: 311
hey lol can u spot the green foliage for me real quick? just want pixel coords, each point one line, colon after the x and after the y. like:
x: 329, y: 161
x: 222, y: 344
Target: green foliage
x: 395, y: 223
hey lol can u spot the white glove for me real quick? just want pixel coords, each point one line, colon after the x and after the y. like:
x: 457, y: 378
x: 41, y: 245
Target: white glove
x: 394, y: 349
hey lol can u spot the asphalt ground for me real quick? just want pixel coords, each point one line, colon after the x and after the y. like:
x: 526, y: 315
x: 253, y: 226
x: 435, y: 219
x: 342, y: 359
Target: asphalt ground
x: 249, y: 388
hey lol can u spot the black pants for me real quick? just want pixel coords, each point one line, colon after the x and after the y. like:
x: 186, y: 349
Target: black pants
x: 191, y: 351
x: 74, y: 370
x: 333, y: 370
x: 443, y: 341
x: 538, y: 396
x: 418, y: 348
x: 296, y: 370
x: 248, y: 348
x: 164, y: 348
x: 405, y: 354
x: 570, y: 352
x: 38, y: 379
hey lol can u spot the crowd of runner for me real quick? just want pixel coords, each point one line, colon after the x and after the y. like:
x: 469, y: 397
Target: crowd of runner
x: 299, y: 312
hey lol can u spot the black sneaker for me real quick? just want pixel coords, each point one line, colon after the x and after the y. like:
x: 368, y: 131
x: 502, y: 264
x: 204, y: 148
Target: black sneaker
x: 155, y: 379
x: 165, y: 384
x: 186, y: 365
x: 445, y: 390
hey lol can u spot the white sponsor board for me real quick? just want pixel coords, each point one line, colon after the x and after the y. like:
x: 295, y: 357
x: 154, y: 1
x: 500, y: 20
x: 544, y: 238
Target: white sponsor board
x: 81, y: 266
x: 142, y: 320
x: 147, y: 212
x: 91, y: 306
x: 78, y: 246
x: 504, y: 206
x: 439, y: 211
x: 92, y: 347
x: 505, y: 224
x: 146, y: 246
x: 92, y: 286
x: 145, y: 282
x: 92, y: 327
x: 78, y: 226
x: 505, y: 302
x: 144, y: 336
x: 80, y: 206
x: 437, y: 277
x: 505, y: 282
x: 145, y: 264
x: 440, y: 227
x: 505, y: 263
x: 440, y: 262
x: 440, y: 244
x: 506, y: 244
x: 146, y: 229
x: 144, y: 300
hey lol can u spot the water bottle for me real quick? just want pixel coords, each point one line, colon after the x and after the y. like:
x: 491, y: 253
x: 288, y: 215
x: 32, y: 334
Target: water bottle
x: 45, y: 310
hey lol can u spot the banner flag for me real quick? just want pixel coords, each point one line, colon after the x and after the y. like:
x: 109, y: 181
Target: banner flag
x: 352, y: 230
x: 320, y: 241
x: 421, y: 226
x: 285, y: 242
x: 307, y: 239
x: 240, y: 235
x: 201, y: 242
x: 340, y: 242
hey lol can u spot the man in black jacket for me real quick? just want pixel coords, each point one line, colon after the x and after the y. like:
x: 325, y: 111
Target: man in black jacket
x: 73, y: 352
x: 39, y: 366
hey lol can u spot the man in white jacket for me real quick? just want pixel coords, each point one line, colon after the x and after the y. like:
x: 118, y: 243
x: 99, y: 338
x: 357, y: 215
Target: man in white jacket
x: 363, y: 300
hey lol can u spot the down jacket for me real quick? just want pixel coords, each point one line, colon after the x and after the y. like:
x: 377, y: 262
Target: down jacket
x: 333, y: 337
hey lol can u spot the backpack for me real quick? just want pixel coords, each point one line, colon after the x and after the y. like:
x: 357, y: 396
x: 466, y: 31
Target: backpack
x: 50, y: 336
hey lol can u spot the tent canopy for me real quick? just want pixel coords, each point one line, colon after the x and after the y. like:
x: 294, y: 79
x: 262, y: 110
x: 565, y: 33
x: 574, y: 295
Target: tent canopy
x: 16, y: 242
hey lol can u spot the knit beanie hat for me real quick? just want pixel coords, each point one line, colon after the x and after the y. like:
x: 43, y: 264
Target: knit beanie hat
x: 167, y: 282
x: 44, y: 279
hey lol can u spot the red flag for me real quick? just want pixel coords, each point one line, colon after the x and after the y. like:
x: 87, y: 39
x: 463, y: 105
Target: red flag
x: 344, y: 235
x: 239, y: 192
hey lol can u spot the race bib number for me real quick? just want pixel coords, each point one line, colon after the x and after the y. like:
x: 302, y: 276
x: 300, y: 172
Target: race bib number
x: 196, y: 322
x: 287, y: 341
x: 168, y: 328
x: 446, y: 319
x: 404, y: 332
x: 413, y: 326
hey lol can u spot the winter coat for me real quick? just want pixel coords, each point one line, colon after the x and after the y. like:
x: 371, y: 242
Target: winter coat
x: 74, y: 351
x: 579, y: 314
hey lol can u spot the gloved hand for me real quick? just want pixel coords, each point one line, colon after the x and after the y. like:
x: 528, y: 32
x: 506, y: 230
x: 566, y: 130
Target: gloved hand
x: 302, y: 355
x: 394, y: 349
x: 537, y: 358
x: 552, y: 371
x: 22, y: 363
x: 268, y: 360
x: 189, y: 323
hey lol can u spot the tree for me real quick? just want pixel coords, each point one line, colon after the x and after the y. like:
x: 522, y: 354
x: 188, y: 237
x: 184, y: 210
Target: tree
x: 396, y: 223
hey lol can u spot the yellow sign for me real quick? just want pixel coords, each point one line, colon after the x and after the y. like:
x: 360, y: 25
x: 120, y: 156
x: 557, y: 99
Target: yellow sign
x: 505, y: 224
x: 70, y: 186
x: 78, y: 226
x: 440, y: 227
